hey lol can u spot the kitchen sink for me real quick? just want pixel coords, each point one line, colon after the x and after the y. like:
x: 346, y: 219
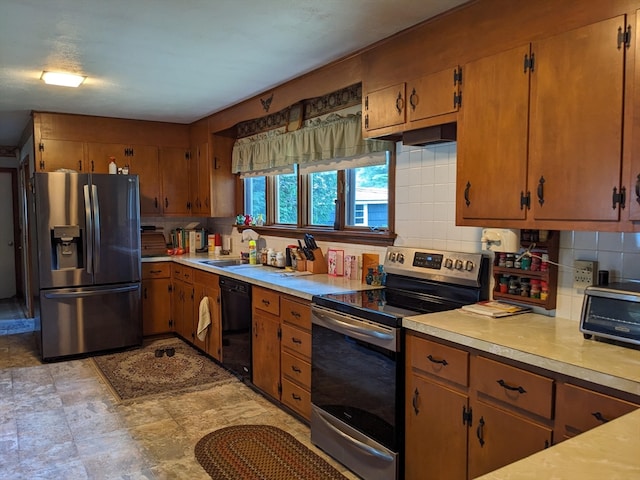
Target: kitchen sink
x: 222, y: 263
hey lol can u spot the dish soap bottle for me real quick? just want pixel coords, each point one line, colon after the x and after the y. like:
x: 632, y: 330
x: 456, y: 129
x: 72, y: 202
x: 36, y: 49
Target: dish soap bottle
x: 252, y: 253
x: 113, y: 168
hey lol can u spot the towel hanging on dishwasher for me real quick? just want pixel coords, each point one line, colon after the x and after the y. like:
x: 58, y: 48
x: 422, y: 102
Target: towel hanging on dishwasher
x: 204, y: 318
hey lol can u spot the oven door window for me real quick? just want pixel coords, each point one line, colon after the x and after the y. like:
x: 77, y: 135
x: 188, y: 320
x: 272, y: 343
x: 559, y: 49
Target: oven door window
x: 356, y: 382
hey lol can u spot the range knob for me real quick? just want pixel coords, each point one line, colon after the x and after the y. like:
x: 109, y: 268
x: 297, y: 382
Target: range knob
x: 448, y: 263
x: 458, y: 264
x: 400, y: 257
x: 392, y: 256
x: 468, y: 266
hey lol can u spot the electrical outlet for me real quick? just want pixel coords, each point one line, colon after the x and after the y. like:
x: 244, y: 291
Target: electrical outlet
x: 584, y: 273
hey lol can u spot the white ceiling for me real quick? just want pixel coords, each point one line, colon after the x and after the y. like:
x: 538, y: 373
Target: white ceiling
x: 177, y: 60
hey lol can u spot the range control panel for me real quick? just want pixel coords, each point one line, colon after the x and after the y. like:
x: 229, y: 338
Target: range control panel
x: 437, y: 265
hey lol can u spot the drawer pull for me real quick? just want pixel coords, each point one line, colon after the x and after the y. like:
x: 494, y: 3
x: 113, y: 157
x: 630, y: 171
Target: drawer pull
x: 296, y: 340
x: 295, y: 314
x: 504, y: 385
x: 155, y: 271
x: 441, y: 362
x: 295, y: 369
x: 297, y: 398
x: 480, y: 431
x: 266, y: 302
x: 598, y: 416
x: 414, y: 401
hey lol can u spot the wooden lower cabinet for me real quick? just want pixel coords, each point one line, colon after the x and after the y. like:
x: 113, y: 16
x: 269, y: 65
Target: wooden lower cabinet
x: 265, y: 348
x: 499, y: 437
x: 183, y: 300
x: 207, y: 285
x: 436, y: 436
x: 156, y: 298
x: 281, y: 346
x: 579, y: 409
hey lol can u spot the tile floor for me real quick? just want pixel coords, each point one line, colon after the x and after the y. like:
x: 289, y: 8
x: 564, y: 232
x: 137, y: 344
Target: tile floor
x: 59, y: 421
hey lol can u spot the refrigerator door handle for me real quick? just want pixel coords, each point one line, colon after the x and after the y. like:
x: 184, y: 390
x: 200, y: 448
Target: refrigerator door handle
x: 75, y: 293
x: 88, y: 230
x: 96, y: 227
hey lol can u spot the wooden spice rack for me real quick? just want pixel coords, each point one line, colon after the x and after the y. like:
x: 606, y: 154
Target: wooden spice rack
x: 550, y: 246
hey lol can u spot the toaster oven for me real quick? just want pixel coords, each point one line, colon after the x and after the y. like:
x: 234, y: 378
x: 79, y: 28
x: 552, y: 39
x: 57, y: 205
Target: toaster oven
x: 612, y: 312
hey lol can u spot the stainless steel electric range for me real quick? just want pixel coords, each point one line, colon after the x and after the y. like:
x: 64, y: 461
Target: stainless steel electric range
x: 357, y: 379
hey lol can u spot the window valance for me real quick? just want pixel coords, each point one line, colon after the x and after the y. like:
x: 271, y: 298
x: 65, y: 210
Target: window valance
x: 319, y: 140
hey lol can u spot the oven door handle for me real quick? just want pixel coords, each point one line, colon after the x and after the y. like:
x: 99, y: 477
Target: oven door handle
x: 357, y: 443
x: 345, y: 327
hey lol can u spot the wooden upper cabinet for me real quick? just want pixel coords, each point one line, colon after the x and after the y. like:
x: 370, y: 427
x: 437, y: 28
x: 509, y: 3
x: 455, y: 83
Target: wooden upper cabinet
x: 576, y: 123
x: 434, y: 95
x: 98, y: 156
x: 174, y: 172
x: 144, y: 163
x: 492, y: 138
x: 200, y: 180
x: 222, y: 183
x: 633, y: 190
x: 385, y: 107
x: 52, y: 155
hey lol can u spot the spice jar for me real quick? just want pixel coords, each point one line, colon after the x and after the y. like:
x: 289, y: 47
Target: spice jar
x: 509, y: 261
x: 504, y: 284
x: 514, y: 286
x: 525, y: 287
x: 502, y: 259
x: 535, y: 263
x: 544, y: 262
x: 544, y: 290
x: 535, y: 288
x: 525, y: 263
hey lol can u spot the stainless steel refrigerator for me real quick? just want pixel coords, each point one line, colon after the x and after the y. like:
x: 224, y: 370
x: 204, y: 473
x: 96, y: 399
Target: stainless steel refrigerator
x: 87, y: 255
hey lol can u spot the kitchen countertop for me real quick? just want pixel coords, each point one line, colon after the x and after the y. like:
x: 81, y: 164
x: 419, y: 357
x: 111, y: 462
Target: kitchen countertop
x: 280, y: 280
x: 552, y: 343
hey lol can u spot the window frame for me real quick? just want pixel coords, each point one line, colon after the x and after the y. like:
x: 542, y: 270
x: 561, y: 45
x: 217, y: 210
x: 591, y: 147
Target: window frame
x: 344, y: 233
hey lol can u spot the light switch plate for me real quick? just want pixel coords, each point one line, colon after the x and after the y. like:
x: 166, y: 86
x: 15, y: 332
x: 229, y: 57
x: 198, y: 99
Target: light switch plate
x: 584, y: 274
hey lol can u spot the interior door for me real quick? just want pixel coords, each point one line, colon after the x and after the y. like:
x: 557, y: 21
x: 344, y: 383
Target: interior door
x: 7, y: 240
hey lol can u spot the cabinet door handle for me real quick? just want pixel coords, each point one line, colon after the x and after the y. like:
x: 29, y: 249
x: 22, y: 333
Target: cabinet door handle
x: 466, y: 194
x: 506, y: 386
x: 156, y: 202
x: 93, y: 167
x: 79, y: 165
x: 413, y: 100
x: 399, y: 103
x: 598, y: 416
x: 414, y: 401
x: 541, y: 191
x: 442, y: 362
x: 166, y: 202
x: 145, y: 293
x: 480, y: 431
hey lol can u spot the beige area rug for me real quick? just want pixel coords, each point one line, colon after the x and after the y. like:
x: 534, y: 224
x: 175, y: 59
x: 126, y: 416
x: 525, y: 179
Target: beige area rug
x: 260, y: 452
x: 161, y: 366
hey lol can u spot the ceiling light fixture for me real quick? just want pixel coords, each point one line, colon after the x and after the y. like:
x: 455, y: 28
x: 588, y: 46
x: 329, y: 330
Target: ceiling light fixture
x: 62, y: 79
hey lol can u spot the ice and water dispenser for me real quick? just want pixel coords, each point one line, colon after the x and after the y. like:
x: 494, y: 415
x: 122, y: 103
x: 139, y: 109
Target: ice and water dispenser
x: 66, y: 246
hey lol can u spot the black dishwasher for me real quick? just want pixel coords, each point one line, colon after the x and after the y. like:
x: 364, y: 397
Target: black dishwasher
x: 236, y: 326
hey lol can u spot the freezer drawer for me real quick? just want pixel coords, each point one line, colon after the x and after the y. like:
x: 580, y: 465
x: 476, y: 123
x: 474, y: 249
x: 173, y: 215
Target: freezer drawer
x: 85, y: 320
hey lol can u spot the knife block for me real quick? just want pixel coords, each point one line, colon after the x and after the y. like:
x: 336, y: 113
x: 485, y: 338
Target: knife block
x: 318, y: 264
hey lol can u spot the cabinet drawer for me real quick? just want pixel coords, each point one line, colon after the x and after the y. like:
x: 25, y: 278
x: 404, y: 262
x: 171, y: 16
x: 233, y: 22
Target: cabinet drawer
x: 296, y: 370
x: 205, y: 278
x: 266, y: 300
x: 442, y: 361
x: 513, y: 386
x: 187, y: 274
x: 176, y: 271
x: 296, y: 398
x: 296, y: 313
x: 156, y: 270
x: 296, y: 340
x: 579, y: 409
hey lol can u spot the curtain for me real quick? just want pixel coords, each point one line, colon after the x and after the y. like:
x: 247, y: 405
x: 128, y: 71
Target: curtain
x: 319, y: 141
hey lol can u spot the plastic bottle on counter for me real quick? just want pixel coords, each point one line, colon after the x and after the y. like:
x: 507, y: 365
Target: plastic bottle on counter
x: 113, y: 168
x: 253, y: 254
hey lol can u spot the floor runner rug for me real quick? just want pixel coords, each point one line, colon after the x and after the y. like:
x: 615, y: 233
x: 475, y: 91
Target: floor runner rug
x: 161, y: 366
x: 260, y: 452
